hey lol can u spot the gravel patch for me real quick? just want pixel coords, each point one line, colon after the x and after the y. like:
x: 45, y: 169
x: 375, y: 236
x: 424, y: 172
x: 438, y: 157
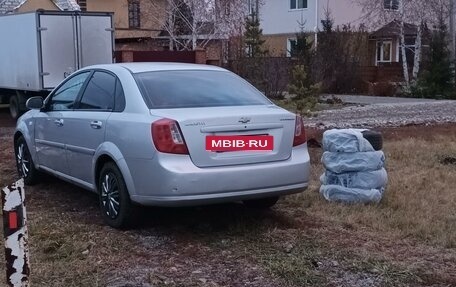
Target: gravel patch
x: 386, y: 115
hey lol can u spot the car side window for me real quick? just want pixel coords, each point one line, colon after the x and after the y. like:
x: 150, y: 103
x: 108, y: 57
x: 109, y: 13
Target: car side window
x: 99, y: 93
x: 120, y: 97
x: 65, y: 96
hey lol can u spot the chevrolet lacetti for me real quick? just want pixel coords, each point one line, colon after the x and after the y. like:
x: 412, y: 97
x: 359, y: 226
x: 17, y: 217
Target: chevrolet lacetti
x: 163, y: 134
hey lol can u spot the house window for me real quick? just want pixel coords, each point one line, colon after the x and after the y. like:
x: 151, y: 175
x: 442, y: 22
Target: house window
x: 391, y: 4
x: 384, y: 51
x: 298, y: 4
x: 133, y: 14
x: 291, y: 47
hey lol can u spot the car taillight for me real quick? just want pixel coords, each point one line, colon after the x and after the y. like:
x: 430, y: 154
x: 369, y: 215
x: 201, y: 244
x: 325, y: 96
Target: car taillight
x: 168, y: 137
x: 300, y: 132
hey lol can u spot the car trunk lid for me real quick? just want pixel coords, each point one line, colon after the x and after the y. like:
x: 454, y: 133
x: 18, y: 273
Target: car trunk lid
x: 260, y: 120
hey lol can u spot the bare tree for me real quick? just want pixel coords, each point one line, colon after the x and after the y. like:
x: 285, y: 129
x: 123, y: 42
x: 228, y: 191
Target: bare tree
x: 416, y: 12
x: 402, y: 44
x: 192, y: 24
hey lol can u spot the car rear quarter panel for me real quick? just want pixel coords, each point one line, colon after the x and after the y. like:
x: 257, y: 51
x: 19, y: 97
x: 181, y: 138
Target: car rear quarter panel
x: 128, y: 136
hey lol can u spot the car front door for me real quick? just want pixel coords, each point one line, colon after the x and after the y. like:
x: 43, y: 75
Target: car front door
x: 51, y: 129
x: 89, y: 125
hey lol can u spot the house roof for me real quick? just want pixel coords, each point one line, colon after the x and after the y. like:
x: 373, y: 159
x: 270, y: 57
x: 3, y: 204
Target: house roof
x: 10, y: 6
x: 67, y: 5
x: 393, y: 29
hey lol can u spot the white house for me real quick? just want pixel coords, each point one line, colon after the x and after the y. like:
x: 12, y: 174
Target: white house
x: 282, y: 19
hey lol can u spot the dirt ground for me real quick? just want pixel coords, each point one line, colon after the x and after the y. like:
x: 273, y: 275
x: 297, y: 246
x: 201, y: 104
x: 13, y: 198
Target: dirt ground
x: 303, y: 241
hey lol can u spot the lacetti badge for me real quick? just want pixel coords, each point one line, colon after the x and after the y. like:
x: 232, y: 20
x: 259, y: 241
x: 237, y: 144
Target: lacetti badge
x: 244, y: 120
x: 239, y: 143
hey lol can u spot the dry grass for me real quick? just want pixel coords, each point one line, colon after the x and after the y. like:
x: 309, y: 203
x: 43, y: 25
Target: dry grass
x: 420, y: 201
x: 406, y: 240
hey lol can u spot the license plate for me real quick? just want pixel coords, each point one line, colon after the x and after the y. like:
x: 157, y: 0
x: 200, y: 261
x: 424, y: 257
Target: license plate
x: 239, y: 143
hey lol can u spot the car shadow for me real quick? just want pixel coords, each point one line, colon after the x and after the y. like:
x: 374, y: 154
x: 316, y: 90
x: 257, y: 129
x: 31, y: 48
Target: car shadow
x: 228, y: 217
x: 83, y: 206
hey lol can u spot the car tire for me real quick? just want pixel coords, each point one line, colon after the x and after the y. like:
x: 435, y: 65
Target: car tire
x: 24, y: 162
x: 374, y: 138
x: 116, y: 207
x: 261, y: 203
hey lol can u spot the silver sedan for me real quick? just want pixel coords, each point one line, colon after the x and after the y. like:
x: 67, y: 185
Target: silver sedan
x: 163, y: 134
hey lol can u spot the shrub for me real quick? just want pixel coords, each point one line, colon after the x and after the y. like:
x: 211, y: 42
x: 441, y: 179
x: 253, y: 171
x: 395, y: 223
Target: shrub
x: 304, y: 92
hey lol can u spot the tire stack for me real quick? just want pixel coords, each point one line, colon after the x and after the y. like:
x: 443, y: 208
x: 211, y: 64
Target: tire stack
x: 354, y: 164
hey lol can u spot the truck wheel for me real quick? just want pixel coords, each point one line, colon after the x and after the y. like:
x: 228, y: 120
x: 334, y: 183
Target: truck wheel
x: 14, y: 108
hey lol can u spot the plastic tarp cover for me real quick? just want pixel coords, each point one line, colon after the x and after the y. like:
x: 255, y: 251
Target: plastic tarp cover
x: 355, y: 172
x: 345, y: 140
x: 338, y: 193
x: 340, y: 162
x: 363, y: 179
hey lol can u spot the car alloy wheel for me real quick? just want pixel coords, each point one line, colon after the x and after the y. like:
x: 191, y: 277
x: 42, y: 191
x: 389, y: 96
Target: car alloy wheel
x: 110, y: 197
x: 24, y: 163
x: 23, y: 160
x: 115, y: 204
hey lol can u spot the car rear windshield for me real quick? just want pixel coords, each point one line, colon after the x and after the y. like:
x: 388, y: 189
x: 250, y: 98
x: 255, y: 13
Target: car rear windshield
x: 196, y: 88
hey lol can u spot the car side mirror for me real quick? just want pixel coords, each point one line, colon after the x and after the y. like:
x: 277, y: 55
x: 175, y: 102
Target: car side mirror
x: 35, y: 103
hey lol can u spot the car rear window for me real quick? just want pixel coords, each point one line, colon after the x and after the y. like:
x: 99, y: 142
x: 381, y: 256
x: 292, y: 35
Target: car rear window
x: 196, y: 88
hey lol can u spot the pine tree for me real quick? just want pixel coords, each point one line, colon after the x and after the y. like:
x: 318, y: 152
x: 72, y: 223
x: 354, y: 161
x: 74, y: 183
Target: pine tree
x: 253, y: 37
x: 301, y: 49
x: 438, y: 79
x: 304, y: 91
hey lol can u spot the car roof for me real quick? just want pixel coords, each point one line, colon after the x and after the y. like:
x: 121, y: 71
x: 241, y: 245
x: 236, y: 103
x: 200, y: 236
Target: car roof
x: 157, y: 66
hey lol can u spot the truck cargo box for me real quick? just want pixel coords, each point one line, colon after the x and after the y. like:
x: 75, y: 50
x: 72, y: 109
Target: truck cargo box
x: 39, y: 49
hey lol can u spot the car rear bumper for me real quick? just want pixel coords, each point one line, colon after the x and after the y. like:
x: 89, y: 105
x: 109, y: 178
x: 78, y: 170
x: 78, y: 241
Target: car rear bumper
x: 173, y: 180
x: 189, y: 200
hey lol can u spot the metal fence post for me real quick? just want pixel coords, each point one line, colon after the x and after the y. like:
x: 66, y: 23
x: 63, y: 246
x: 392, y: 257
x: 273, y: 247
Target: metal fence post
x: 15, y: 233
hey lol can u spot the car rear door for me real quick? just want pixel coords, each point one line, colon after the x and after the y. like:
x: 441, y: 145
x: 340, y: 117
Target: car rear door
x: 88, y: 123
x: 51, y: 128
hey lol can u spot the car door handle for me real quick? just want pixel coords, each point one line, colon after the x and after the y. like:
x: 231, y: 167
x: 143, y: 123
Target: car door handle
x: 58, y: 122
x: 96, y: 124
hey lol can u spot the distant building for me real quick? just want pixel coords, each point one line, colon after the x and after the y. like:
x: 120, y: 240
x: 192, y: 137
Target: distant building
x: 19, y: 6
x: 137, y: 23
x: 281, y: 20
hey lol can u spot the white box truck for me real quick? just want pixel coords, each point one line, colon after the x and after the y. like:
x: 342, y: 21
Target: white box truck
x: 39, y: 49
